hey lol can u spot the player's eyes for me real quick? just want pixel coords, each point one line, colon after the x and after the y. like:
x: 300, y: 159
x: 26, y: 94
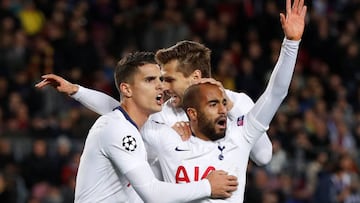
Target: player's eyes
x: 224, y: 103
x: 212, y: 104
x: 149, y: 79
x: 168, y: 80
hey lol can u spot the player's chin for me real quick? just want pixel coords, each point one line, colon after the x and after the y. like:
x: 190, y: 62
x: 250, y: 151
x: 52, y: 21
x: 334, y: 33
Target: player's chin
x: 220, y: 134
x: 221, y: 130
x: 156, y: 108
x: 175, y: 102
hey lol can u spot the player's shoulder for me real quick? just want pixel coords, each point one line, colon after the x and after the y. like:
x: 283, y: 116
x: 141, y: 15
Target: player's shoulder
x: 113, y: 122
x: 241, y: 96
x: 242, y: 102
x: 244, y: 95
x: 154, y: 130
x: 112, y: 117
x: 155, y: 125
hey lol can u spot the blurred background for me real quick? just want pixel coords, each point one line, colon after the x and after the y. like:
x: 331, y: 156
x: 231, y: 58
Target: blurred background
x: 315, y: 134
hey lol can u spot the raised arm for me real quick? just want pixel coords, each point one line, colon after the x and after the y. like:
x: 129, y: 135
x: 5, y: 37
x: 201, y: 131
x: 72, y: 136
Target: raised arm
x: 92, y: 99
x: 265, y: 108
x: 268, y: 103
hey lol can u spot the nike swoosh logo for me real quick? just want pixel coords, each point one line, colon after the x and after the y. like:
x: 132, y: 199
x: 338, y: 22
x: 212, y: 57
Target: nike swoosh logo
x: 180, y: 150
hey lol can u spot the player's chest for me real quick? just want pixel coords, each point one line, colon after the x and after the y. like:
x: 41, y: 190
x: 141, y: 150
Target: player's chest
x: 193, y: 162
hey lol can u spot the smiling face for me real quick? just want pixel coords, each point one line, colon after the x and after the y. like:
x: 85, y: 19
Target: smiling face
x: 175, y: 82
x: 208, y: 112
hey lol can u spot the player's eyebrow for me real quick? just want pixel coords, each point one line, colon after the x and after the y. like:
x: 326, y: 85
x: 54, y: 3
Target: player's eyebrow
x: 214, y: 101
x: 150, y: 78
x: 217, y: 101
x: 168, y: 78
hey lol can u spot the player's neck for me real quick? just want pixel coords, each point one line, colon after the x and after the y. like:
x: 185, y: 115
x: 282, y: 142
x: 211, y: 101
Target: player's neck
x: 135, y: 113
x: 196, y: 132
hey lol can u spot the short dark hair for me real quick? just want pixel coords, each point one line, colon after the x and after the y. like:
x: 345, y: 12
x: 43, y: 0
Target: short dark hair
x: 190, y: 55
x: 191, y: 98
x: 128, y: 66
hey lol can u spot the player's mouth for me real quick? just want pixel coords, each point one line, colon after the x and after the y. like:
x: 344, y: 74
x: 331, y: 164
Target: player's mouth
x: 160, y: 99
x: 221, y: 122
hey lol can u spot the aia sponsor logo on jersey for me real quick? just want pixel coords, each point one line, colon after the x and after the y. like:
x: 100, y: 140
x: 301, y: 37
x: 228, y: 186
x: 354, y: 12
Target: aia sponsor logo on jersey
x: 184, y: 176
x: 240, y: 121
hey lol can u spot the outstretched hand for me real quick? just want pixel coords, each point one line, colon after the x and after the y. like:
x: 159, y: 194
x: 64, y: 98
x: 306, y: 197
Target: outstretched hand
x: 59, y: 83
x: 293, y: 22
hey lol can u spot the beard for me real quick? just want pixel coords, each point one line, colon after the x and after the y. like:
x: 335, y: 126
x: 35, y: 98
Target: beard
x: 207, y: 127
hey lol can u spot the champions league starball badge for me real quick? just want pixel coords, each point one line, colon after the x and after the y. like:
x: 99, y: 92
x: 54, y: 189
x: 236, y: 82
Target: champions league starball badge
x: 129, y: 143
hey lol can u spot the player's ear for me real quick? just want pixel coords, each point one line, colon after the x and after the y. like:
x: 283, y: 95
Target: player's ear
x: 196, y: 75
x: 192, y: 114
x: 125, y: 90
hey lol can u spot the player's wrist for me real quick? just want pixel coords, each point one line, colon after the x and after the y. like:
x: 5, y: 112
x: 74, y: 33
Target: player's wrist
x: 292, y: 40
x: 73, y: 89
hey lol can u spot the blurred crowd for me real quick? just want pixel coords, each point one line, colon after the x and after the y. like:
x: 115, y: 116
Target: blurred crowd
x: 315, y: 134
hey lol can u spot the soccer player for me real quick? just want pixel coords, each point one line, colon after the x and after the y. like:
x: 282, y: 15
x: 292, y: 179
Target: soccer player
x: 114, y: 154
x: 203, y: 157
x: 218, y: 143
x: 183, y: 64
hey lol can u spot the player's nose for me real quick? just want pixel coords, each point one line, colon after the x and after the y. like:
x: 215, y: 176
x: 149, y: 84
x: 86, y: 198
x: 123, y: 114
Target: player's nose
x: 222, y: 109
x: 166, y: 86
x: 160, y: 85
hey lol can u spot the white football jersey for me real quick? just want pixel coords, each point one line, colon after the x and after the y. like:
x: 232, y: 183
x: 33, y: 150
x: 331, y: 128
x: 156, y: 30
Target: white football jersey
x: 97, y: 179
x: 197, y: 157
x: 114, y: 156
x: 193, y: 160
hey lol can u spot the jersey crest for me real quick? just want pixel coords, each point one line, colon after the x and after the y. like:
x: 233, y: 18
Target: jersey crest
x: 129, y: 142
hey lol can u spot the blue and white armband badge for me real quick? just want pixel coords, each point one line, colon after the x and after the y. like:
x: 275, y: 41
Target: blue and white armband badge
x: 129, y: 143
x: 240, y: 121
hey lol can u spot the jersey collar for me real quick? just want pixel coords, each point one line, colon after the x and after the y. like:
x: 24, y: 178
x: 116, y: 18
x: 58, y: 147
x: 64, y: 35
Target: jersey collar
x: 126, y: 115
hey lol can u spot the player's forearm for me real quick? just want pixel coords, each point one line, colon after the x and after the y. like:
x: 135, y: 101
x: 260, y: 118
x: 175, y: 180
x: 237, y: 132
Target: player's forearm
x: 154, y: 191
x: 95, y: 100
x: 268, y: 103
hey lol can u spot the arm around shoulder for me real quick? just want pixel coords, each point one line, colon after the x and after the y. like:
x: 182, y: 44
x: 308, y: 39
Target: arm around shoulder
x: 154, y: 191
